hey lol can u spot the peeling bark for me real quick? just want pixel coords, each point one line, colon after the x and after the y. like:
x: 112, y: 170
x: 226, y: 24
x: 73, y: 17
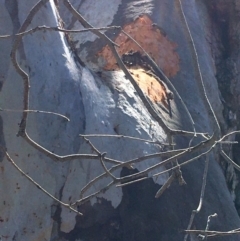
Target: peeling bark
x: 76, y: 75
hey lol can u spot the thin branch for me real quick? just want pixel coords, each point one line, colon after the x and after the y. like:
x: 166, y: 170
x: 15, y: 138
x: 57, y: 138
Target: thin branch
x: 205, y: 237
x: 229, y: 160
x: 101, y: 157
x: 177, y: 154
x: 213, y: 233
x: 44, y: 28
x: 177, y: 172
x: 70, y: 157
x: 85, y: 23
x: 194, y: 212
x: 166, y: 171
x: 87, y: 198
x: 36, y: 184
x: 137, y: 180
x: 126, y: 137
x: 37, y: 111
x: 199, y: 73
x: 205, y: 144
x: 165, y: 186
x: 224, y: 155
x: 19, y: 70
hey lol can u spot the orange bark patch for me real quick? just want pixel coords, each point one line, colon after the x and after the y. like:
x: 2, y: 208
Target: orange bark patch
x: 149, y: 85
x: 158, y: 46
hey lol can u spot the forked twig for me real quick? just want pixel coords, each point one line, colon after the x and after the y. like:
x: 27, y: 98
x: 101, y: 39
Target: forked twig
x: 101, y: 157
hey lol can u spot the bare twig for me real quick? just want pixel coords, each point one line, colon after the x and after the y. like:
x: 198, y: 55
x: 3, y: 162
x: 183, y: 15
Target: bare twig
x: 199, y: 73
x: 177, y: 154
x: 177, y: 172
x: 36, y: 184
x: 101, y: 157
x: 85, y: 24
x: 19, y: 70
x: 165, y: 186
x: 168, y: 170
x: 37, y: 111
x: 142, y: 175
x: 194, y: 212
x: 44, y: 28
x: 126, y: 137
x: 205, y: 237
x: 213, y: 233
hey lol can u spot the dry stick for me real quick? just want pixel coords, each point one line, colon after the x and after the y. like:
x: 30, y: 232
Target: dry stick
x: 165, y: 186
x: 125, y: 137
x: 194, y: 212
x: 101, y: 157
x: 164, y: 78
x: 36, y: 184
x: 37, y: 111
x: 22, y: 127
x: 186, y: 151
x: 170, y: 169
x: 178, y: 172
x: 85, y: 199
x: 19, y: 70
x: 205, y: 236
x: 70, y: 157
x: 43, y: 28
x: 205, y: 144
x: 226, y: 157
x: 73, y: 21
x: 229, y: 160
x: 199, y: 73
x: 85, y: 23
x: 209, y: 220
x: 213, y: 233
x: 208, y: 105
x: 139, y: 175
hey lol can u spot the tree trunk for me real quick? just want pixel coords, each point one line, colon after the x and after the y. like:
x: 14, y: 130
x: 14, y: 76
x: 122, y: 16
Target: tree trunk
x: 77, y: 76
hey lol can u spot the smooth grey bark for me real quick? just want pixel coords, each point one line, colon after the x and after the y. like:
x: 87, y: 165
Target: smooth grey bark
x: 98, y: 104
